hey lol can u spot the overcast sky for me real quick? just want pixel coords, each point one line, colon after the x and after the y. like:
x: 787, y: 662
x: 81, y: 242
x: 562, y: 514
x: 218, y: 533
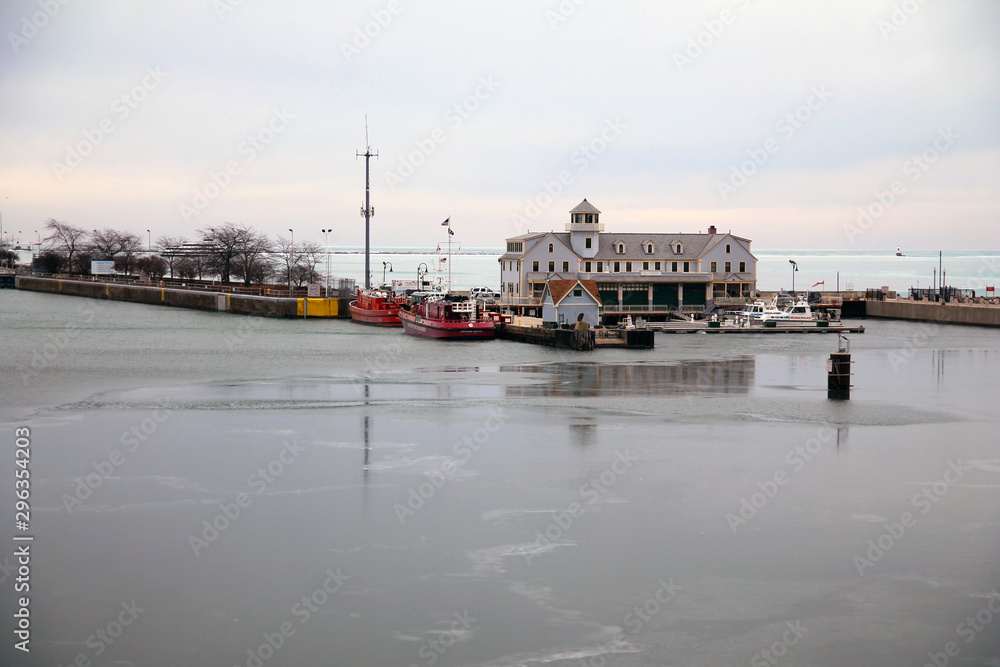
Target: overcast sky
x: 776, y: 120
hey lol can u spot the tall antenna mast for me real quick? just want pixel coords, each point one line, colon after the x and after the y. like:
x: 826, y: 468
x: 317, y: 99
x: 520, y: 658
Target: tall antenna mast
x: 367, y: 211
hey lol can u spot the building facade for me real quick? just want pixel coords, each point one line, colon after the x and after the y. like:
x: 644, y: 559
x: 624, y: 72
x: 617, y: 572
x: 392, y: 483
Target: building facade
x: 636, y: 273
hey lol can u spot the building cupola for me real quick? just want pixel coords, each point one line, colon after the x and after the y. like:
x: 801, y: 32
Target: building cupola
x: 584, y: 227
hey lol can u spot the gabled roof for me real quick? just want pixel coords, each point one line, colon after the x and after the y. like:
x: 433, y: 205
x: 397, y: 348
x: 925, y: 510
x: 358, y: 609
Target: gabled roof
x: 693, y: 245
x: 558, y: 289
x: 584, y: 207
x: 525, y: 237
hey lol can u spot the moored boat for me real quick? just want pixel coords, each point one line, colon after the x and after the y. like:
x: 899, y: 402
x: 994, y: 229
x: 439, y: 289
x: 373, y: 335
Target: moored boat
x: 449, y: 318
x: 754, y: 312
x: 800, y: 311
x: 379, y: 307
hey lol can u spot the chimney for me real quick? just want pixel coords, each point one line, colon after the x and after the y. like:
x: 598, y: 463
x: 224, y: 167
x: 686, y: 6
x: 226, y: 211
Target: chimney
x: 711, y: 230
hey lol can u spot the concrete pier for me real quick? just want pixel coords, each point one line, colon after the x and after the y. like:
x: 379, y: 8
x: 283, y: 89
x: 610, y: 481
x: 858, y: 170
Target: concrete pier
x: 979, y: 314
x: 245, y: 304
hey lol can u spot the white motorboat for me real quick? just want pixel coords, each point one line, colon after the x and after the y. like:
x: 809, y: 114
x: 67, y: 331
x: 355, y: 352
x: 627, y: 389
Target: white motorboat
x: 800, y: 311
x: 753, y: 313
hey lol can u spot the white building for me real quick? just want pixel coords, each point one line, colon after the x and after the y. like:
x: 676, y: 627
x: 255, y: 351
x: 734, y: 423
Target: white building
x: 636, y: 273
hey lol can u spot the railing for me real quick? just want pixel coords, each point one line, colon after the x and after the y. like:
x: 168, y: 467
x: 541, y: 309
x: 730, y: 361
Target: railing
x: 655, y: 308
x: 518, y: 301
x: 273, y: 291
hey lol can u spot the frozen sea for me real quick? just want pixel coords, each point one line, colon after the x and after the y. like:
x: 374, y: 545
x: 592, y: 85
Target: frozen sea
x: 210, y: 489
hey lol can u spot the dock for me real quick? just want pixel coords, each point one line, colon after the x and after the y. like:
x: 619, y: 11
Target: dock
x: 779, y: 328
x: 583, y: 340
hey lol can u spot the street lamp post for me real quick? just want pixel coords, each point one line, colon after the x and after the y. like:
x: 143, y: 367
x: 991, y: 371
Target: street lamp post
x: 420, y: 285
x: 795, y: 267
x: 291, y: 256
x: 326, y: 247
x: 149, y: 242
x: 385, y: 264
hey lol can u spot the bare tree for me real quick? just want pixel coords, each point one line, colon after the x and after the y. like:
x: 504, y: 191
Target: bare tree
x: 68, y: 237
x: 229, y: 242
x: 288, y: 256
x: 310, y: 256
x: 105, y: 243
x: 153, y: 265
x: 187, y: 268
x: 169, y: 246
x: 130, y: 245
x: 81, y: 263
x: 252, y: 258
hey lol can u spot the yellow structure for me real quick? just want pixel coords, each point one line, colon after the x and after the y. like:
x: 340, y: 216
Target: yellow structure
x: 318, y: 307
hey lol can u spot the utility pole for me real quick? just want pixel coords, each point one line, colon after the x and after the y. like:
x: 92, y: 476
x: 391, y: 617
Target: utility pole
x: 367, y: 211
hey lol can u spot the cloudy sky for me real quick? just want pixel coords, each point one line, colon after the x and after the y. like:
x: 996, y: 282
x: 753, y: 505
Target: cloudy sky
x: 851, y: 124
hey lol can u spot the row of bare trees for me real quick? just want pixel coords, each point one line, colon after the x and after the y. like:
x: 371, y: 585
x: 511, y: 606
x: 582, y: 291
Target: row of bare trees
x: 227, y: 251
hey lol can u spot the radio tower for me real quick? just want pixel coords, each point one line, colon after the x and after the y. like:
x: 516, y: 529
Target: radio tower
x: 367, y: 211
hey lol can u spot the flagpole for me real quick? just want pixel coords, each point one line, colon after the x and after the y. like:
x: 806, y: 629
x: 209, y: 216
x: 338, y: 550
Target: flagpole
x: 449, y: 252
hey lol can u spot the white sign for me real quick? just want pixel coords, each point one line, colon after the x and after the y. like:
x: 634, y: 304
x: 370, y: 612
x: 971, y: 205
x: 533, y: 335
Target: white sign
x: 102, y: 267
x: 312, y: 290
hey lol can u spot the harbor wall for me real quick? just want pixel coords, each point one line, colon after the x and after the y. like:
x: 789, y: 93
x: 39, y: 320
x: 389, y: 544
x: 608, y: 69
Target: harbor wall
x: 945, y: 313
x: 243, y: 304
x: 571, y: 338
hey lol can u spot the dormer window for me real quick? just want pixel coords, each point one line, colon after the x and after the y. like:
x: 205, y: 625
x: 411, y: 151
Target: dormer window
x: 551, y: 247
x: 678, y: 248
x: 620, y: 248
x: 648, y: 248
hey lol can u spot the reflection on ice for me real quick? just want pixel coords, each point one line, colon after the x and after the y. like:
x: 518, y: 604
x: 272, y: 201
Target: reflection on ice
x: 723, y: 376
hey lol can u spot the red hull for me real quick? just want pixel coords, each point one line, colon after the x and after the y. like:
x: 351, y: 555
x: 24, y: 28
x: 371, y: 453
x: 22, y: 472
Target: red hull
x: 431, y: 328
x: 376, y: 309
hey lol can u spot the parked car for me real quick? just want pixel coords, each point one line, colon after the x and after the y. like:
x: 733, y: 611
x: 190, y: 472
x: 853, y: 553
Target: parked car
x: 484, y: 293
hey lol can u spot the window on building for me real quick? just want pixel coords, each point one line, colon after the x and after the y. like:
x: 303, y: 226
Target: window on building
x: 687, y: 267
x: 590, y: 217
x: 565, y: 267
x: 714, y: 267
x: 729, y: 248
x: 618, y: 267
x: 600, y: 267
x: 678, y: 249
x: 729, y: 267
x: 552, y: 267
x: 579, y: 217
x: 628, y: 267
x: 515, y: 246
x: 645, y: 266
x: 743, y: 267
x: 578, y: 291
x: 588, y: 242
x: 534, y: 266
x: 656, y: 266
x: 551, y: 247
x: 673, y: 266
x: 586, y: 267
x: 620, y: 248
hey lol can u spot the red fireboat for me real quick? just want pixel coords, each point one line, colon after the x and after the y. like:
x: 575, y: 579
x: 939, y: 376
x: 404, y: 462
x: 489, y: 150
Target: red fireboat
x: 377, y: 307
x: 443, y: 317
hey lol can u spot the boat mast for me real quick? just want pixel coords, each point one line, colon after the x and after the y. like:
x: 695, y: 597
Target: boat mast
x: 367, y: 211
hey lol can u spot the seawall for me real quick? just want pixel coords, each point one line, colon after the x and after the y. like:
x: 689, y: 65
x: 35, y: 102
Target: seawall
x: 244, y: 304
x: 926, y: 311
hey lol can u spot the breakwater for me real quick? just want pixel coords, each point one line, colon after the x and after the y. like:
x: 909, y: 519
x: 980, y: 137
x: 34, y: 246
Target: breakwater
x: 243, y: 304
x: 979, y: 314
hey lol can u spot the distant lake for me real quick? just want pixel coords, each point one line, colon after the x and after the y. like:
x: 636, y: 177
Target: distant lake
x: 859, y: 270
